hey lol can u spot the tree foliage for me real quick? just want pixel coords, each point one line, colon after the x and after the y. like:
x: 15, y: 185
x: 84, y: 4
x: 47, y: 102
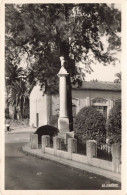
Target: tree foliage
x: 44, y: 32
x: 119, y: 78
x: 13, y: 73
x: 18, y: 96
x: 89, y: 124
x: 41, y: 33
x: 114, y: 124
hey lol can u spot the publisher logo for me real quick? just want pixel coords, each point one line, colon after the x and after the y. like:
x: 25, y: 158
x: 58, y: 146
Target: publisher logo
x: 110, y: 185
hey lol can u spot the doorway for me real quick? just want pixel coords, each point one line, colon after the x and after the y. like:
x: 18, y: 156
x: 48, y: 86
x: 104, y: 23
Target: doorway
x: 37, y: 119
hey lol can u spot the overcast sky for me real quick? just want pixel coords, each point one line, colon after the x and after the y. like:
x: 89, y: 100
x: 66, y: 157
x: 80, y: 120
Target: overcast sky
x: 103, y: 73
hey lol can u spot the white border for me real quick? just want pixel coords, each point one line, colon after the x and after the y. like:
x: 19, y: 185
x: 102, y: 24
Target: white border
x: 123, y: 191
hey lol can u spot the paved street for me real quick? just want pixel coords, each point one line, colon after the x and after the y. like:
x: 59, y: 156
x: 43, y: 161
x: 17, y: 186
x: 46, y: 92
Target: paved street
x: 23, y: 172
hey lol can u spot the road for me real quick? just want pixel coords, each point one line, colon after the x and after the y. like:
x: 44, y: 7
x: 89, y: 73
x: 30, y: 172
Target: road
x: 25, y: 172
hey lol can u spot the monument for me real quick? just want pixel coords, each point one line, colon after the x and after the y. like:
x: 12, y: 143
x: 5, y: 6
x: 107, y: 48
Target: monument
x: 63, y: 120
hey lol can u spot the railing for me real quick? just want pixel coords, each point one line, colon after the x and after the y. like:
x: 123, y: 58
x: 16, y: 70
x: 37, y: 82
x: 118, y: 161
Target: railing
x: 40, y: 142
x: 104, y: 151
x: 81, y: 149
x: 51, y: 142
x: 64, y: 145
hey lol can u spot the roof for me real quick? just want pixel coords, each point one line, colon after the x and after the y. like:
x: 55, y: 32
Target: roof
x: 93, y: 85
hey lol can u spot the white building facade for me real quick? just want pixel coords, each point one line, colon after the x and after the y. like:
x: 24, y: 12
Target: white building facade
x: 102, y: 95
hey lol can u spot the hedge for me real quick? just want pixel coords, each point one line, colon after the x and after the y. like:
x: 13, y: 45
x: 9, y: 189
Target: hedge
x: 89, y: 124
x: 114, y: 124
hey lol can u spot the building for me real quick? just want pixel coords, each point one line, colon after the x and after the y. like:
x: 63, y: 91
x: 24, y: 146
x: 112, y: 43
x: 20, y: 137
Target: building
x: 102, y: 95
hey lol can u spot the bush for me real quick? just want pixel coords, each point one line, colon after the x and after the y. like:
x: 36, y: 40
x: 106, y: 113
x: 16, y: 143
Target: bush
x: 89, y: 124
x: 114, y: 124
x: 46, y: 130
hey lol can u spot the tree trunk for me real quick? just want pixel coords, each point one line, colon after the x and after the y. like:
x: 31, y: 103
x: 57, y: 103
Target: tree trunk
x: 69, y: 103
x: 21, y: 108
x: 15, y: 112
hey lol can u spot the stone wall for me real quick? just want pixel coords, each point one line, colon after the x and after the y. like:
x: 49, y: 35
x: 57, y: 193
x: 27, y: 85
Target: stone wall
x: 71, y: 154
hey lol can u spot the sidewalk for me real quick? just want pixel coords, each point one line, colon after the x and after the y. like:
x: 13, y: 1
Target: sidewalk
x: 74, y: 164
x: 21, y: 130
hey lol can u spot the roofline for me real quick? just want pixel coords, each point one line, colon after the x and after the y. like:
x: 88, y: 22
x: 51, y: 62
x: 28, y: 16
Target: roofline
x: 116, y: 90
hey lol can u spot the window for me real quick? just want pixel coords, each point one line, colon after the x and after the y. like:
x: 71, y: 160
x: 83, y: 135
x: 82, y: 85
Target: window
x: 102, y: 109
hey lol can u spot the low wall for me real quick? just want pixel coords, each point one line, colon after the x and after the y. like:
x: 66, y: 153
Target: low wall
x: 71, y: 154
x: 62, y: 154
x: 104, y: 164
x: 49, y: 150
x: 79, y: 158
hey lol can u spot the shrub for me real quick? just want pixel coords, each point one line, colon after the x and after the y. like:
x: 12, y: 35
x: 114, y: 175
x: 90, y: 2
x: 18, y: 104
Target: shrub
x: 46, y: 130
x: 89, y: 124
x: 114, y: 124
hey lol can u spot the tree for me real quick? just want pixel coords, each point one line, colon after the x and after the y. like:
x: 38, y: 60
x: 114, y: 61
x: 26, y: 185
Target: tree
x: 44, y: 32
x: 90, y: 124
x: 13, y: 73
x: 18, y: 95
x: 114, y: 124
x: 118, y: 80
x: 94, y: 80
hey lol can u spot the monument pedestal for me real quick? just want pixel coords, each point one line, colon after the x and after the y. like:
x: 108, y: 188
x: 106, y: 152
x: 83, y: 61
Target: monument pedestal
x: 63, y: 124
x: 66, y: 135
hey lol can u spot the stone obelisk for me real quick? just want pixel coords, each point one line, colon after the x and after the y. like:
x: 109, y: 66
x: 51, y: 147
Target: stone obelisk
x: 63, y: 120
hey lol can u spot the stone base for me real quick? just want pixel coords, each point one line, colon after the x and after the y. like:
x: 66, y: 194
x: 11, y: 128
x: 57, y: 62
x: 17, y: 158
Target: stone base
x: 66, y: 135
x: 62, y: 135
x: 63, y: 124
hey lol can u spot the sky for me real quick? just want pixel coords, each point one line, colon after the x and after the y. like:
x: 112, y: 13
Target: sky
x: 103, y: 73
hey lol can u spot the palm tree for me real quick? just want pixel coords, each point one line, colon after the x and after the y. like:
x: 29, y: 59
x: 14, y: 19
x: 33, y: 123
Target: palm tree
x: 17, y: 90
x: 119, y: 78
x: 13, y: 73
x: 18, y: 94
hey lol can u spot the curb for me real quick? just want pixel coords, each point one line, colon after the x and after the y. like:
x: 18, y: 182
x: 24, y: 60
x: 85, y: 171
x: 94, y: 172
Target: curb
x: 76, y: 165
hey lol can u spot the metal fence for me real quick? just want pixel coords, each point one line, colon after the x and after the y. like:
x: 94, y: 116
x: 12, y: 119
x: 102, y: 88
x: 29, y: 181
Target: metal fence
x: 81, y: 149
x: 64, y: 145
x: 104, y: 151
x: 51, y: 142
